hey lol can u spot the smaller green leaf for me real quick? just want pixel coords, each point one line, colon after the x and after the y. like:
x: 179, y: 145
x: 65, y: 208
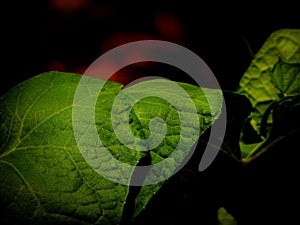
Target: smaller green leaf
x: 286, y: 78
x: 273, y: 74
x: 264, y: 80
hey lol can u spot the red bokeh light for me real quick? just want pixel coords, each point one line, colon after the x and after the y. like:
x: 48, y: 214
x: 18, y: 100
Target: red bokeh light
x: 68, y: 5
x: 169, y: 26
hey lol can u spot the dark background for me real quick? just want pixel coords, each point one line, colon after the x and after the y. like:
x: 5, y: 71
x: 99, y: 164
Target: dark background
x: 68, y: 35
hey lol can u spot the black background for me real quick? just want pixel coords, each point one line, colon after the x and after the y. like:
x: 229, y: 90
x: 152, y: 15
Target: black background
x: 39, y: 36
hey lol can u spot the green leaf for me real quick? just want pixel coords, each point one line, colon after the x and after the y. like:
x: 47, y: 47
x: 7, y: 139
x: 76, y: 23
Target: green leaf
x: 286, y: 78
x: 207, y: 115
x: 44, y: 177
x: 225, y: 218
x: 273, y: 74
x: 260, y: 82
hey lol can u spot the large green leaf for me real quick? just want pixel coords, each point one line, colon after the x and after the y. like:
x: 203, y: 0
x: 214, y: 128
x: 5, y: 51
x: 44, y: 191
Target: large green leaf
x: 44, y: 177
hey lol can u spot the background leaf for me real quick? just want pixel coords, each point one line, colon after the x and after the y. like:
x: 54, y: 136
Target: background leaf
x: 257, y: 82
x: 272, y: 75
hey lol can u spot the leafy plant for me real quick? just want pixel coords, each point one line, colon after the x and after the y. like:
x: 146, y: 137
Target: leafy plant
x: 46, y: 180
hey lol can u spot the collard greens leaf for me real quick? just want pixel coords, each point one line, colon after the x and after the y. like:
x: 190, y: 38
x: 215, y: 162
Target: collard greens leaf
x: 45, y: 179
